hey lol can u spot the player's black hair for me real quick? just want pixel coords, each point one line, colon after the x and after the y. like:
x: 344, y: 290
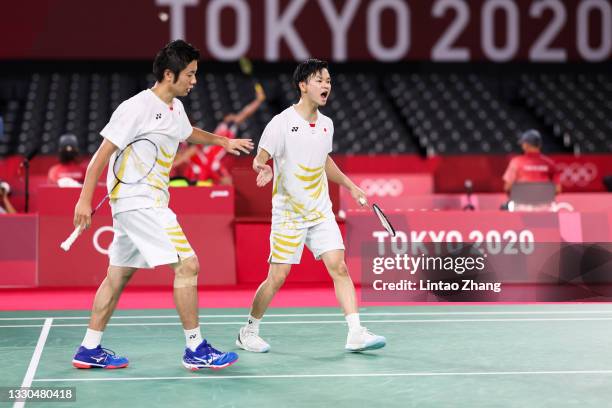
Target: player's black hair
x: 175, y: 56
x: 307, y: 69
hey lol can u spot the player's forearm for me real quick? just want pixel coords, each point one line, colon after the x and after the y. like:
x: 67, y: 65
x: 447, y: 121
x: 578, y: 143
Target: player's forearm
x: 96, y: 166
x: 335, y: 175
x: 92, y: 175
x: 247, y: 111
x: 200, y: 136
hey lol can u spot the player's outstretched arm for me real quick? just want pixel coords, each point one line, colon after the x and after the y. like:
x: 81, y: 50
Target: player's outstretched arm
x: 250, y: 109
x: 264, y: 171
x: 82, y: 210
x: 233, y: 146
x: 334, y: 174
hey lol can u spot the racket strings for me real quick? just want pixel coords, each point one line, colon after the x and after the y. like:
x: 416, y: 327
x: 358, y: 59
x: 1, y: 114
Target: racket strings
x: 143, y: 169
x: 136, y: 162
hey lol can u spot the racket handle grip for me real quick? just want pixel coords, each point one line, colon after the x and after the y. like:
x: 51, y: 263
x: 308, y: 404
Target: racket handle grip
x: 70, y: 240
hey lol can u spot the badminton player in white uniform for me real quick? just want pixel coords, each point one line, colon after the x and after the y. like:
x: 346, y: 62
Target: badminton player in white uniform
x: 147, y: 233
x: 299, y: 139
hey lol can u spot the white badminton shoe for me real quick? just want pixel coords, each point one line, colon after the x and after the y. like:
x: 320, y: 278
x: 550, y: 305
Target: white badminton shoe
x: 362, y: 339
x: 249, y: 340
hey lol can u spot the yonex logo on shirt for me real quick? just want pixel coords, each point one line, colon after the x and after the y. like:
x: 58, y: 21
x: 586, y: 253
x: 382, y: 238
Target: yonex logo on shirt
x: 294, y: 129
x: 158, y: 116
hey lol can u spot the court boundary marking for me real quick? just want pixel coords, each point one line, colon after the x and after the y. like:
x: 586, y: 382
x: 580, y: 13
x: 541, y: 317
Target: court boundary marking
x: 33, y: 366
x: 346, y: 375
x: 212, y: 316
x: 569, y: 319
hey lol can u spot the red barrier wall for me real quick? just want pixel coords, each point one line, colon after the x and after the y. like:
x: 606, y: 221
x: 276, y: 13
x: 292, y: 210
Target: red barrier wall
x: 18, y: 250
x: 205, y: 213
x: 578, y: 174
x: 236, y: 253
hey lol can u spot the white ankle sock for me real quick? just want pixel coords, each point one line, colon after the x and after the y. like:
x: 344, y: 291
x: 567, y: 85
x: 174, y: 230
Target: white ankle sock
x: 253, y: 323
x: 92, y: 339
x: 353, y: 321
x: 193, y: 337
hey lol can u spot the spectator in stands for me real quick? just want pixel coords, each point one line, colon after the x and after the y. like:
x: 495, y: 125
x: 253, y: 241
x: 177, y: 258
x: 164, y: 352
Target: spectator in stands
x: 532, y: 166
x: 203, y: 164
x: 69, y: 172
x: 6, y: 207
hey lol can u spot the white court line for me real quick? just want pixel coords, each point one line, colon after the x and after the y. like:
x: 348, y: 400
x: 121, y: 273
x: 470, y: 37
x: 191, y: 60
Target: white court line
x: 346, y: 375
x: 518, y: 312
x: 20, y: 326
x: 29, y: 376
x: 568, y: 319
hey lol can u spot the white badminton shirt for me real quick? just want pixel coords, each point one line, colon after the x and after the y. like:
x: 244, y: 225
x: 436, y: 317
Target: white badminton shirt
x: 145, y: 116
x: 300, y: 196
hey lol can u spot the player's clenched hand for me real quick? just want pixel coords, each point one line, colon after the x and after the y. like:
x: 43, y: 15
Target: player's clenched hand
x: 235, y: 146
x: 265, y: 174
x: 359, y: 196
x: 82, y: 214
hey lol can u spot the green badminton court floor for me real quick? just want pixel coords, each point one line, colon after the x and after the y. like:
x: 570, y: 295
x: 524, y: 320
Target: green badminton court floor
x: 440, y: 356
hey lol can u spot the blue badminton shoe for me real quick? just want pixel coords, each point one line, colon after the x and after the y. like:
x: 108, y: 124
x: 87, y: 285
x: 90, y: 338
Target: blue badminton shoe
x: 206, y: 356
x: 98, y: 358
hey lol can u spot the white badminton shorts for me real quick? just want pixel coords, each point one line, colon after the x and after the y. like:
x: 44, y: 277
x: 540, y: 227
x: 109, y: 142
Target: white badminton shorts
x: 148, y: 237
x: 286, y: 245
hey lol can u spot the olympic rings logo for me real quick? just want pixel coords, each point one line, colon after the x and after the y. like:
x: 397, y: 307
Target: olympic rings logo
x: 577, y: 174
x: 382, y: 187
x: 96, y: 239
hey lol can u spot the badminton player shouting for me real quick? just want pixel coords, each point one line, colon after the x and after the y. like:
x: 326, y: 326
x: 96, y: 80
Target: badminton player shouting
x: 299, y: 139
x: 147, y: 233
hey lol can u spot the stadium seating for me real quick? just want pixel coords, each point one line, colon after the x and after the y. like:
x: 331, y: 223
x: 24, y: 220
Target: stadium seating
x: 578, y: 108
x: 401, y: 112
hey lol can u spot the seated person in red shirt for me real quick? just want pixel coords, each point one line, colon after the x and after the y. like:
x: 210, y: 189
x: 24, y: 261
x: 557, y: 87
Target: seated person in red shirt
x: 69, y: 172
x: 203, y: 163
x: 532, y: 166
